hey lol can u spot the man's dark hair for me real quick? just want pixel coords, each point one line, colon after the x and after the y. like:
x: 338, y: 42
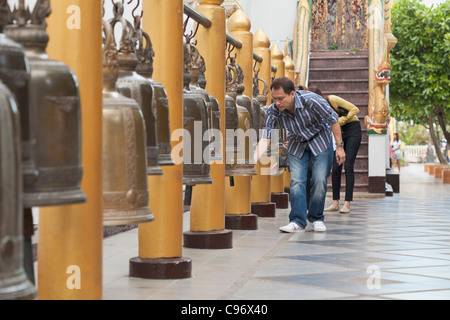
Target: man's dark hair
x: 285, y: 83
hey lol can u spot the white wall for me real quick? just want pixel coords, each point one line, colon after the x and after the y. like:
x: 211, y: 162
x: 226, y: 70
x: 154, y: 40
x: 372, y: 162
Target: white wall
x: 276, y: 18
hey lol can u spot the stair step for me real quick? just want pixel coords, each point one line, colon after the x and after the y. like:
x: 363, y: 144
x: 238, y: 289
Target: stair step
x: 355, y: 97
x: 338, y: 73
x: 340, y: 85
x: 343, y: 61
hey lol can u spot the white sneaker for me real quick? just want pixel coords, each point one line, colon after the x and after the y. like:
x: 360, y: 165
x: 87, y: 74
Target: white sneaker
x: 317, y: 226
x: 291, y: 227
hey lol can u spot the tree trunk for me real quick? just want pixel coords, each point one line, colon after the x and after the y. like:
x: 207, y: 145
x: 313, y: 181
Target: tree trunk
x: 436, y: 144
x: 441, y: 121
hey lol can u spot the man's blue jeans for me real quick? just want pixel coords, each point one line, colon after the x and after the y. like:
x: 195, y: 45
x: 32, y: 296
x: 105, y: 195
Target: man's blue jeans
x: 298, y: 167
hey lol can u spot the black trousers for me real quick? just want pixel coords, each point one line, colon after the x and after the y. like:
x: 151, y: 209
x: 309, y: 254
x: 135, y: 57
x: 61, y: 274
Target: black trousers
x: 351, y: 135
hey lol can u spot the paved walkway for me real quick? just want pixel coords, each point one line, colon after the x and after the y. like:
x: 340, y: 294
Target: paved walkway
x: 387, y: 248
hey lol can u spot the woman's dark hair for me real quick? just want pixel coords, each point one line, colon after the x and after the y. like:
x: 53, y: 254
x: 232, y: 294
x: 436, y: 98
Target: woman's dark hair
x: 285, y: 83
x: 316, y: 90
x: 395, y: 136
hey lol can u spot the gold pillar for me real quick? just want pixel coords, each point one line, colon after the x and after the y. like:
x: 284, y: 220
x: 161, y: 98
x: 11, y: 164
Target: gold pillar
x: 207, y: 223
x: 70, y: 237
x: 301, y: 41
x: 289, y: 73
x: 238, y: 197
x: 261, y: 46
x: 261, y: 195
x: 160, y: 242
x: 277, y: 180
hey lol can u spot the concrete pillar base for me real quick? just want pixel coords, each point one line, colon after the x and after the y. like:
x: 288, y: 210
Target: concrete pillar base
x: 247, y: 221
x: 160, y: 268
x: 281, y: 200
x: 264, y: 209
x: 217, y: 239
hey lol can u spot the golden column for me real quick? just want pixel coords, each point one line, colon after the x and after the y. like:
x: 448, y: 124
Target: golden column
x: 238, y: 197
x: 207, y: 227
x: 278, y: 196
x: 70, y: 237
x: 261, y: 195
x: 289, y: 73
x: 301, y: 41
x: 160, y: 242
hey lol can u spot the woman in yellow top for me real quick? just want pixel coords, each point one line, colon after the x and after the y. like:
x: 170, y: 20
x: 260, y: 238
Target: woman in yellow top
x: 351, y: 137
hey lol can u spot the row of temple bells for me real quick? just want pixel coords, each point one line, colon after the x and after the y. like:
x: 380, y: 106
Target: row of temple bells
x: 197, y: 122
x: 239, y: 118
x: 41, y: 144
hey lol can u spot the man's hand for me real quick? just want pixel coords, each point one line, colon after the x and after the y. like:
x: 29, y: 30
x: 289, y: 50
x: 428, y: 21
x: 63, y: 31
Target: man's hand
x: 262, y: 146
x: 340, y: 155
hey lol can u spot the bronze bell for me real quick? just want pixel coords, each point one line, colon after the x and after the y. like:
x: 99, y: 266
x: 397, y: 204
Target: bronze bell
x: 14, y: 283
x: 246, y: 134
x: 260, y: 99
x: 160, y: 100
x: 196, y: 168
x: 213, y: 116
x: 15, y: 74
x: 232, y: 142
x: 54, y: 102
x: 196, y: 68
x: 125, y: 186
x: 132, y: 85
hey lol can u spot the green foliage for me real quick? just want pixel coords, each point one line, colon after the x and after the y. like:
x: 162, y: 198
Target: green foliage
x: 420, y: 61
x: 333, y: 46
x: 412, y: 134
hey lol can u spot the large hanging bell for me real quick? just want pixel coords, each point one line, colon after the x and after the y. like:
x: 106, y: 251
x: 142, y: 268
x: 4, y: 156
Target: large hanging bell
x: 247, y: 136
x: 213, y: 116
x: 14, y: 283
x: 196, y: 68
x: 54, y: 102
x: 196, y: 167
x: 160, y: 100
x: 132, y: 85
x: 15, y: 74
x: 260, y: 99
x: 232, y: 143
x: 125, y: 186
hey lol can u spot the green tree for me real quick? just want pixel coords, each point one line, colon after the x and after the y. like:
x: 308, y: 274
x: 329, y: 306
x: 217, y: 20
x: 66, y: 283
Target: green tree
x: 420, y: 64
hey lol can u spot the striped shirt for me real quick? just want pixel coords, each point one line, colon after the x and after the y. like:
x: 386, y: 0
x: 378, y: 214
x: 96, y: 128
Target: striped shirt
x: 311, y: 125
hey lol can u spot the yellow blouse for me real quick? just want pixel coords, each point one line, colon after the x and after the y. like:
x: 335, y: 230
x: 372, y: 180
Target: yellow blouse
x: 353, y: 110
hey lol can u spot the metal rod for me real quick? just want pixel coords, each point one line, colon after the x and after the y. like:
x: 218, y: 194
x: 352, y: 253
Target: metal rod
x: 233, y: 41
x: 257, y: 57
x: 197, y: 16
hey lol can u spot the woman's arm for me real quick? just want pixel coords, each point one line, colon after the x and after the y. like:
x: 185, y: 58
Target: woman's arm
x: 350, y: 107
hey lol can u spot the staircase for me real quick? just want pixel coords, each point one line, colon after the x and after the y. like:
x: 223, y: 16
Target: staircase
x: 346, y: 74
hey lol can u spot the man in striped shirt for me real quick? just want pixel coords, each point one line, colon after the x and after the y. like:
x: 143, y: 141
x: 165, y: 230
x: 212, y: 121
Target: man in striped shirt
x: 310, y: 123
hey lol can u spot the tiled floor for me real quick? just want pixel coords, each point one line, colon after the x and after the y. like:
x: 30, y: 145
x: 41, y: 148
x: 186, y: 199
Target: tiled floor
x: 387, y: 248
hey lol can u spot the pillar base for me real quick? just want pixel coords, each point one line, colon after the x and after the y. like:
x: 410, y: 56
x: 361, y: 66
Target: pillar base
x: 393, y: 178
x: 281, y: 200
x: 247, y: 221
x: 264, y: 209
x: 377, y: 184
x: 217, y: 239
x: 287, y: 189
x: 160, y: 268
